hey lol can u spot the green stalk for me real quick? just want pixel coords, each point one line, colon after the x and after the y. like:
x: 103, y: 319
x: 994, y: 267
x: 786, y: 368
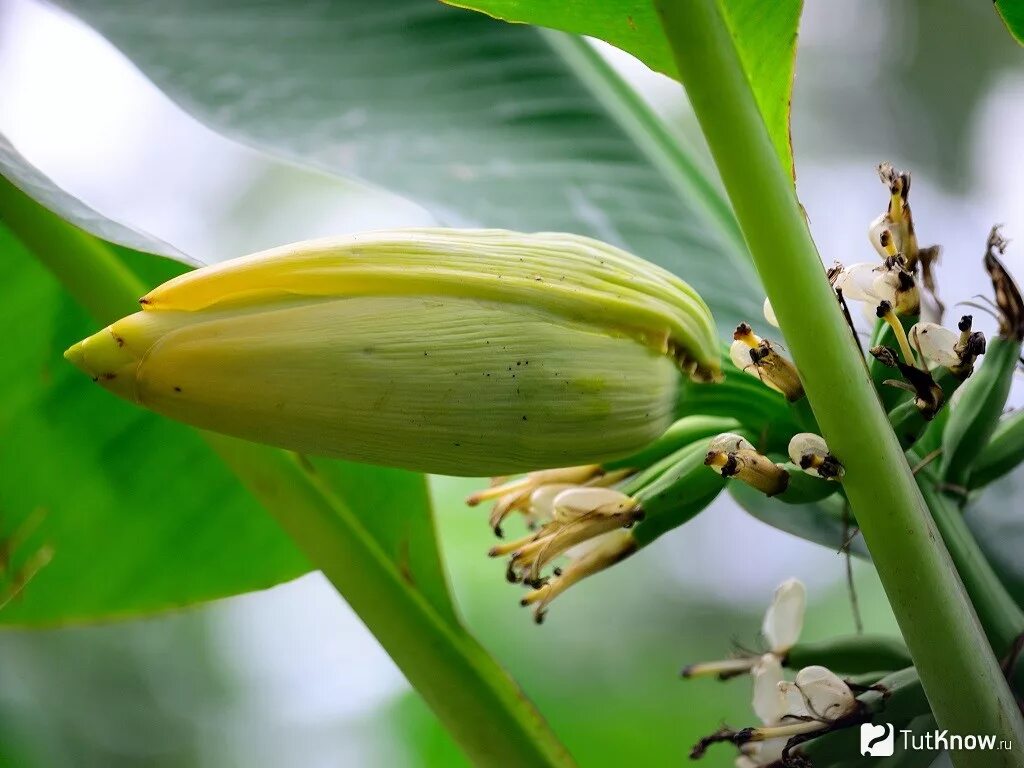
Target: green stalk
x: 962, y: 678
x: 474, y: 698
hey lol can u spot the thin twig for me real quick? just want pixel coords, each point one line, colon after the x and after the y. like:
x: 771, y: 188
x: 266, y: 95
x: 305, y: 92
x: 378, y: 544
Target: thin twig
x: 851, y: 588
x: 928, y: 459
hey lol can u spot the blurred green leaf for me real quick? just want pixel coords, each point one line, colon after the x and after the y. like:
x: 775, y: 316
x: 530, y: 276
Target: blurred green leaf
x: 994, y: 517
x: 765, y: 34
x: 137, y: 513
x: 1012, y: 14
x: 821, y: 522
x: 485, y: 124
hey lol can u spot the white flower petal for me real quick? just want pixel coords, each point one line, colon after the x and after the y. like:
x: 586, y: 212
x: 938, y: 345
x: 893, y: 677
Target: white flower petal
x: 575, y: 502
x: 793, y: 702
x: 805, y: 443
x: 729, y: 442
x: 827, y: 696
x: 885, y: 286
x: 542, y: 500
x: 857, y: 280
x: 936, y: 343
x: 768, y: 701
x: 785, y: 616
x: 770, y: 751
x: 739, y: 353
x: 769, y: 313
x: 875, y: 233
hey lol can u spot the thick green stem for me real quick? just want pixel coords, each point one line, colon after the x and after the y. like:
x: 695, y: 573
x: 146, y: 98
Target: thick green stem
x: 961, y: 676
x: 474, y: 698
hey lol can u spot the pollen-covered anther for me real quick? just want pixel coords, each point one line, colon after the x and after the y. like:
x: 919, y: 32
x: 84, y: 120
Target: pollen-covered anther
x: 928, y: 395
x: 737, y: 458
x: 758, y: 358
x: 597, y: 555
x: 1007, y: 292
x: 810, y: 452
x: 898, y: 219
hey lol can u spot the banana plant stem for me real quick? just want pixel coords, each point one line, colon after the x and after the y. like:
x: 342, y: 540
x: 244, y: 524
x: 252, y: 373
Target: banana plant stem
x: 961, y: 676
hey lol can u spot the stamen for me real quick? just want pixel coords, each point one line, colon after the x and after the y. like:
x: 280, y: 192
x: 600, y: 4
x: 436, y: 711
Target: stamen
x: 726, y: 667
x: 884, y: 311
x: 784, y: 731
x: 605, y: 552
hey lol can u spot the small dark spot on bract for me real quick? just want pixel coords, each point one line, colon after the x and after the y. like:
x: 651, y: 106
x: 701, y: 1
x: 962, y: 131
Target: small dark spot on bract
x: 518, y: 362
x: 524, y: 418
x: 118, y: 340
x: 177, y: 389
x: 109, y: 376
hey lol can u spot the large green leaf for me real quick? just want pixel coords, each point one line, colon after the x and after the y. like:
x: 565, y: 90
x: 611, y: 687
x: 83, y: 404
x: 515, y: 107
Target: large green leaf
x: 485, y: 124
x: 765, y: 34
x: 1012, y: 14
x: 140, y: 516
x: 29, y: 180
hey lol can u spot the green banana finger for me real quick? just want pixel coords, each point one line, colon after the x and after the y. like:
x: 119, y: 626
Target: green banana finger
x: 804, y: 488
x: 678, y: 494
x: 852, y: 654
x: 974, y: 420
x: 1002, y: 453
x: 680, y: 435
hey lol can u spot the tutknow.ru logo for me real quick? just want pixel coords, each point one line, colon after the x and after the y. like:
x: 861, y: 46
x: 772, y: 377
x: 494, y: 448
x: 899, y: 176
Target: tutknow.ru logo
x: 880, y: 740
x: 877, y: 740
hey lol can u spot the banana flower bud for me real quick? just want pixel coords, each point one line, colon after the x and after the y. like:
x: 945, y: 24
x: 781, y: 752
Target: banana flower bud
x: 467, y: 352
